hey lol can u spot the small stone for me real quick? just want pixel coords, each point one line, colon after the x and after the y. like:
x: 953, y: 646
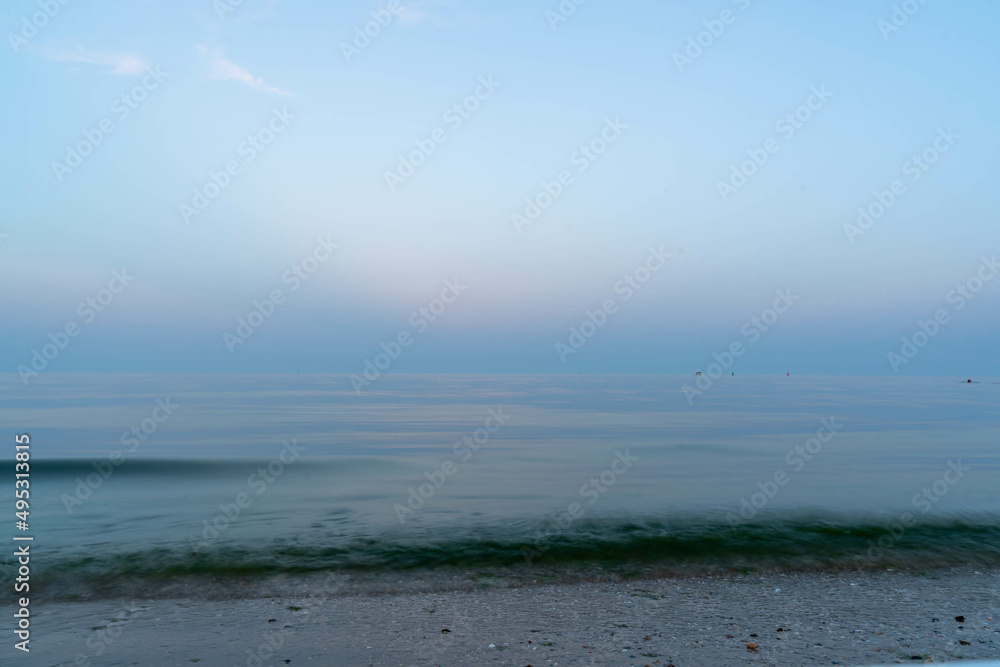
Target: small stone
x: 960, y: 619
x: 751, y: 648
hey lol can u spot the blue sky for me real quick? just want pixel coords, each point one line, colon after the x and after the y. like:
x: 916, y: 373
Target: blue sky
x: 556, y: 85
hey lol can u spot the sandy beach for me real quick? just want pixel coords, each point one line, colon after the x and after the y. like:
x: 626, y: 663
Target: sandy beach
x: 841, y: 617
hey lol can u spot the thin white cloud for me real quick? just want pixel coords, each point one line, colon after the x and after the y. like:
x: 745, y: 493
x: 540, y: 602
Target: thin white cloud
x: 418, y: 11
x: 224, y: 70
x: 123, y: 64
x: 412, y: 13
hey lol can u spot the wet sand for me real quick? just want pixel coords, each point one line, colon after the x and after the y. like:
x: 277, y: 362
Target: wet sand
x: 804, y: 618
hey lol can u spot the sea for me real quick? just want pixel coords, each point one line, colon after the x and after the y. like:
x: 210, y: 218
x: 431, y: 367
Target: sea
x: 241, y: 484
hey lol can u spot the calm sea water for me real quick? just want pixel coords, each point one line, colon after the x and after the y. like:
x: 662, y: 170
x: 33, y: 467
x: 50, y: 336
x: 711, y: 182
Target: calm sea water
x: 151, y: 478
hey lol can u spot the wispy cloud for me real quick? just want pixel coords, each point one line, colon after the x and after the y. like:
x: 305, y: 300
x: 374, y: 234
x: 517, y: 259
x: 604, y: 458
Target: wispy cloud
x: 418, y: 11
x: 224, y: 70
x: 119, y: 63
x: 414, y: 12
x: 438, y: 13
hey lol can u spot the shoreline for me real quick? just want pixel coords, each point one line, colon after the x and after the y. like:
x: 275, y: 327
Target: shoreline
x: 825, y: 617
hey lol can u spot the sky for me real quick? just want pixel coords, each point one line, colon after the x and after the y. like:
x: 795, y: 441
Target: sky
x: 636, y: 187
